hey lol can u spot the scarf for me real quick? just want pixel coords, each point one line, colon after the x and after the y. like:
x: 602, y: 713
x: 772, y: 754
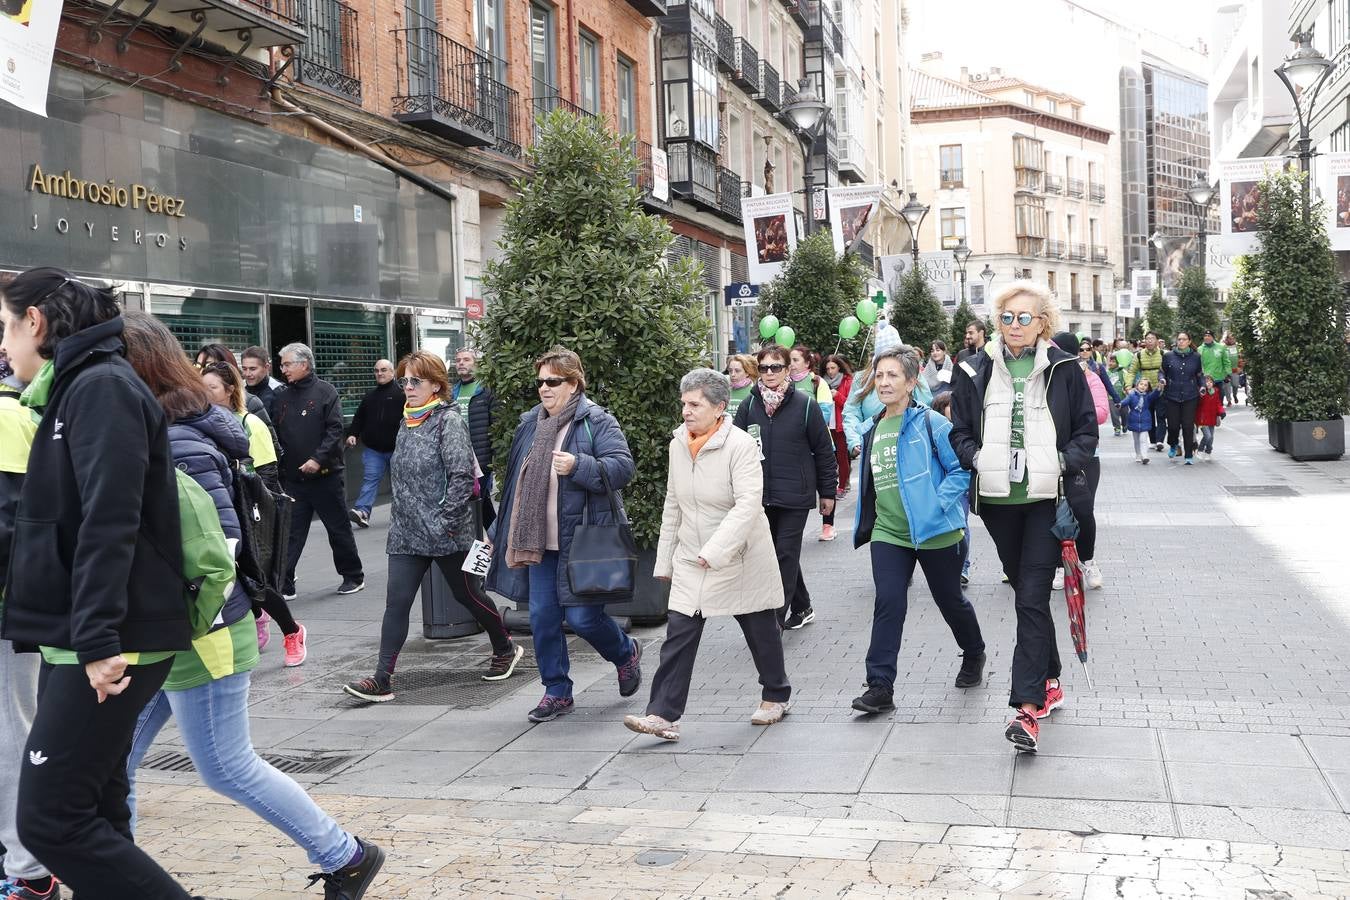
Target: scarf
x: 834, y: 381
x: 696, y: 442
x: 773, y: 399
x: 800, y: 376
x: 529, y: 513
x: 36, y: 395
x: 416, y: 415
x: 740, y: 385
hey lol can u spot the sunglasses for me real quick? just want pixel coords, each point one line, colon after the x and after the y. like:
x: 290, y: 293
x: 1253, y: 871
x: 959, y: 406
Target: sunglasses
x: 413, y: 382
x: 553, y: 382
x: 1023, y: 319
x: 772, y: 367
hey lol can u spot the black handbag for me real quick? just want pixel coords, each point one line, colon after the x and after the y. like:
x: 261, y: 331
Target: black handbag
x: 602, y: 562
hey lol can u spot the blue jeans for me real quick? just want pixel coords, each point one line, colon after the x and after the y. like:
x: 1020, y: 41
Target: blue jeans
x: 373, y: 464
x: 213, y: 719
x: 546, y: 622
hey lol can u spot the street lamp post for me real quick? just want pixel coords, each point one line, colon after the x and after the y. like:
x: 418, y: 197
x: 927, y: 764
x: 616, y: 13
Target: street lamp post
x: 1158, y: 242
x: 913, y: 213
x: 1201, y: 193
x: 1303, y: 72
x: 808, y: 113
x: 987, y: 276
x: 961, y: 253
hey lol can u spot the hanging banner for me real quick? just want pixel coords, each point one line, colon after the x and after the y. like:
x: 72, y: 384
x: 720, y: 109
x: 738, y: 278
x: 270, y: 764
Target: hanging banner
x: 27, y: 42
x: 770, y: 234
x: 1335, y: 180
x: 1143, y: 281
x: 1239, y: 198
x: 660, y: 175
x: 1124, y: 304
x: 939, y: 269
x: 852, y: 209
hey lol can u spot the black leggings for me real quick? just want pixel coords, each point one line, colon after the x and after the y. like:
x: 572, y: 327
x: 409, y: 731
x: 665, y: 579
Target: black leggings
x: 279, y: 610
x: 1081, y: 492
x: 405, y: 577
x: 1181, y: 417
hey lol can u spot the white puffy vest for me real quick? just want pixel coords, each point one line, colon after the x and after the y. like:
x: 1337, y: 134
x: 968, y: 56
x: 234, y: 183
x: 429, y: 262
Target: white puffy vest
x: 1038, y: 430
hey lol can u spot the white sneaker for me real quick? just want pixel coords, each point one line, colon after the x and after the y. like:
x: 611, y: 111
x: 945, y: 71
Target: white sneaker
x: 1093, y: 574
x: 1058, y: 583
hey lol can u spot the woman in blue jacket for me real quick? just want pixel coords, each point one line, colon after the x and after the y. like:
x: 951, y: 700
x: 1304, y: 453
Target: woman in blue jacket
x: 566, y: 456
x: 909, y: 508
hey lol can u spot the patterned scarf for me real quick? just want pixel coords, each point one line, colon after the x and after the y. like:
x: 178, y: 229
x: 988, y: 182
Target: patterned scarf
x: 529, y: 512
x: 416, y: 415
x: 741, y: 385
x: 773, y: 399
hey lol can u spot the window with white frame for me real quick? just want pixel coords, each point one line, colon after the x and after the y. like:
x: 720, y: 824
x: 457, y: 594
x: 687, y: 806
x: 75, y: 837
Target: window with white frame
x: 953, y: 220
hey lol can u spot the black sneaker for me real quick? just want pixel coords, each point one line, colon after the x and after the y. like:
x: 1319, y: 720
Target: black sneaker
x: 630, y: 673
x: 502, y: 666
x: 288, y: 591
x: 358, y: 517
x: 351, y: 586
x: 876, y: 699
x: 972, y: 671
x: 371, y: 690
x: 351, y: 883
x: 799, y: 619
x: 20, y: 889
x: 550, y: 708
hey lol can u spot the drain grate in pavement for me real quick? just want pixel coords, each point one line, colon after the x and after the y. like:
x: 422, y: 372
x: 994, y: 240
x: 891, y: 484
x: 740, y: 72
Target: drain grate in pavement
x: 1260, y: 490
x: 173, y: 761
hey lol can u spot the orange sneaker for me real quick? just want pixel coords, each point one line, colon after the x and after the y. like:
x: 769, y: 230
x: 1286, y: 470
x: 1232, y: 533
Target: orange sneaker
x: 1023, y: 731
x: 1054, y: 697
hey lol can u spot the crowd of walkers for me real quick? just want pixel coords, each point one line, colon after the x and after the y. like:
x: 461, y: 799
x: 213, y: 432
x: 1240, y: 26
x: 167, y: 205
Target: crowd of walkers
x: 128, y: 600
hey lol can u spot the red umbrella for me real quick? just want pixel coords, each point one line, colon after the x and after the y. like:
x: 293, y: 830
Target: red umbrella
x: 1066, y: 530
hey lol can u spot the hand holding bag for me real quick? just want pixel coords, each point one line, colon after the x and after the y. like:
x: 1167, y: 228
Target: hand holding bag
x: 602, y: 563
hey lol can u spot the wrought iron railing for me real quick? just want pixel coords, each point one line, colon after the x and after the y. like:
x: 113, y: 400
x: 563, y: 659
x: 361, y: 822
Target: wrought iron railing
x: 1097, y: 303
x: 442, y: 78
x: 798, y: 10
x: 770, y: 88
x: 1097, y: 192
x: 504, y: 103
x: 331, y: 58
x: 292, y: 12
x: 1077, y: 251
x: 1054, y: 184
x: 1076, y: 302
x: 729, y: 193
x: 1099, y: 253
x: 747, y: 65
x: 1073, y: 187
x: 693, y: 172
x: 726, y: 45
x: 952, y: 178
x: 1054, y: 249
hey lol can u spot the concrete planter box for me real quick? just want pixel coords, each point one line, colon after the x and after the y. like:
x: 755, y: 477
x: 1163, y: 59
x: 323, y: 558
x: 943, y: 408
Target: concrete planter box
x: 1278, y: 435
x: 1316, y: 440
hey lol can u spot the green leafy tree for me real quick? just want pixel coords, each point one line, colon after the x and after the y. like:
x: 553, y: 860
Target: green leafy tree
x: 1290, y: 312
x: 816, y: 289
x: 963, y: 316
x: 581, y: 266
x: 916, y: 313
x: 1196, y: 313
x: 1161, y: 318
x: 1136, y: 329
x: 1244, y: 313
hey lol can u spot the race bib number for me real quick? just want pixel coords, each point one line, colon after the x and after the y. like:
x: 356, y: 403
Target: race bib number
x: 759, y: 440
x: 1017, y: 465
x: 478, y: 560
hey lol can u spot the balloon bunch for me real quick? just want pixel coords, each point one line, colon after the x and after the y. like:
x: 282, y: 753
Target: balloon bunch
x: 772, y: 330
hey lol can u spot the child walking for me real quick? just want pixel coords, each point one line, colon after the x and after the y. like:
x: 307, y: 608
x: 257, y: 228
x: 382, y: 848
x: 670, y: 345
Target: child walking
x: 1208, y: 413
x: 1138, y: 408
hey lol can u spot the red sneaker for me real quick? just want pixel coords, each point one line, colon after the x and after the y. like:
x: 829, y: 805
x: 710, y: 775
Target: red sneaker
x: 1023, y: 731
x: 1054, y: 696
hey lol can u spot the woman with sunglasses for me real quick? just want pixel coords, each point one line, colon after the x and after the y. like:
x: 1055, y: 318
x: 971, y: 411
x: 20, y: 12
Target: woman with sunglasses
x: 431, y: 520
x: 1023, y: 423
x: 566, y: 459
x: 797, y: 455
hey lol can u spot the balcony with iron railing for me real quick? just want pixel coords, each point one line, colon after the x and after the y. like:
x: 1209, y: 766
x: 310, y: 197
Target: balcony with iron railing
x: 726, y: 45
x: 651, y: 9
x: 443, y: 86
x: 693, y: 173
x: 1097, y: 304
x: 1096, y: 192
x: 746, y: 66
x: 950, y: 178
x: 729, y: 192
x: 225, y: 23
x: 1099, y: 254
x: 1073, y: 187
x: 798, y: 10
x: 1055, y: 249
x: 1076, y: 302
x: 820, y: 26
x: 331, y: 58
x: 770, y: 94
x: 644, y: 178
x: 1054, y: 184
x: 1077, y: 251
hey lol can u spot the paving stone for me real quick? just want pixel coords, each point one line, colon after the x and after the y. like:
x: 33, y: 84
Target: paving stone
x: 1208, y: 783
x: 1085, y: 778
x: 560, y: 769
x: 802, y: 772
x: 926, y: 773
x: 1305, y: 828
x: 1132, y: 816
x: 647, y: 772
x: 816, y: 738
x: 1258, y: 750
x: 701, y: 736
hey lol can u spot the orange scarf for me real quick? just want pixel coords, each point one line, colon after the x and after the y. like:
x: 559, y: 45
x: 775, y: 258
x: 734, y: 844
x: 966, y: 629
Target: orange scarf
x: 696, y: 443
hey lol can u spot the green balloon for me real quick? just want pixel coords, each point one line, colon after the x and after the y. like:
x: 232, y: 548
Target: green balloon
x: 786, y: 337
x: 867, y: 311
x: 768, y: 327
x: 849, y: 326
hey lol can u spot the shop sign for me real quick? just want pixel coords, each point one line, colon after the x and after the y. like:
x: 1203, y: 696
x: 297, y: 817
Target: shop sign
x: 108, y: 193
x: 473, y: 307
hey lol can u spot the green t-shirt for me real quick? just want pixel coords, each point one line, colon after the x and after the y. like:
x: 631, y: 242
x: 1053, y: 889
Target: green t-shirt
x: 464, y: 395
x: 892, y: 524
x: 55, y: 656
x: 225, y: 651
x: 738, y: 396
x: 1020, y: 369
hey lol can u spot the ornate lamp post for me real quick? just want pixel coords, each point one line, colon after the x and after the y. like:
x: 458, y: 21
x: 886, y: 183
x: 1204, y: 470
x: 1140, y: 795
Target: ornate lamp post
x: 987, y: 276
x: 1201, y: 193
x: 1304, y: 72
x: 808, y: 114
x: 961, y: 253
x: 913, y: 213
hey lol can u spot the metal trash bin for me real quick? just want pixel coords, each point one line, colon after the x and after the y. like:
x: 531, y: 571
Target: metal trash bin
x: 442, y: 615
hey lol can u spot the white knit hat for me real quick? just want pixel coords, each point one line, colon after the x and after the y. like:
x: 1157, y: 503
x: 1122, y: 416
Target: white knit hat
x: 887, y: 338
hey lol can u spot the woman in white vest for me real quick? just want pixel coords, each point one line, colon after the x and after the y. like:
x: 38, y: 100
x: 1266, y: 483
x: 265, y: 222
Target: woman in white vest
x: 1023, y: 420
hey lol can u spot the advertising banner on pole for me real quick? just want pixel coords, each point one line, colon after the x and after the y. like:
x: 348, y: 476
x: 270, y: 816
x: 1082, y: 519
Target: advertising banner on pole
x: 27, y: 42
x: 852, y: 209
x: 939, y: 269
x: 770, y: 234
x: 1335, y: 182
x: 1124, y: 304
x: 1239, y: 198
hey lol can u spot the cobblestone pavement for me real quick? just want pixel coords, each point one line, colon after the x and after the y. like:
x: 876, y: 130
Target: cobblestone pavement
x: 1220, y: 713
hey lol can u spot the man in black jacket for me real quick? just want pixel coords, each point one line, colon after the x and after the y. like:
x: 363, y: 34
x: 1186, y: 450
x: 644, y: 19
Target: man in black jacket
x: 478, y: 406
x: 309, y: 425
x: 257, y: 371
x: 376, y: 425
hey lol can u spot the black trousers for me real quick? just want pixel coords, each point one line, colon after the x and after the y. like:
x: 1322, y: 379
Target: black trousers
x: 1081, y: 492
x: 670, y: 684
x: 72, y: 810
x: 489, y: 512
x: 1159, y: 429
x: 786, y: 526
x: 1029, y: 553
x: 405, y: 578
x: 326, y: 498
x: 1181, y: 417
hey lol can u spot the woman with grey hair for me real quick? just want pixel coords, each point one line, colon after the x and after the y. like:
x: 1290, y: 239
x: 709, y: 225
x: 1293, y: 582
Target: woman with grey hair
x: 714, y: 550
x: 910, y: 487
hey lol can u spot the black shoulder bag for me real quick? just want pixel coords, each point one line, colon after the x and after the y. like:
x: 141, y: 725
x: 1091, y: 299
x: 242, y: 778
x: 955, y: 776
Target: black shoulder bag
x: 602, y: 562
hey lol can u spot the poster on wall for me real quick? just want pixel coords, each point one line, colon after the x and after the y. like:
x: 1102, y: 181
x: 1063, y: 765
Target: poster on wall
x: 1335, y: 183
x: 770, y: 234
x: 27, y: 42
x: 1143, y: 282
x: 852, y: 210
x: 1239, y: 198
x: 1124, y: 304
x: 939, y: 269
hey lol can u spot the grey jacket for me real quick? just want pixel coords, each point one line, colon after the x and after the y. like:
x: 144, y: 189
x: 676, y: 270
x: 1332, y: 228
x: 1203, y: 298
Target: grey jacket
x: 432, y: 477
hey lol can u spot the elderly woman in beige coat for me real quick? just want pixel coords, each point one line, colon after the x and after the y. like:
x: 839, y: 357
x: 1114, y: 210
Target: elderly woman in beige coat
x: 715, y: 548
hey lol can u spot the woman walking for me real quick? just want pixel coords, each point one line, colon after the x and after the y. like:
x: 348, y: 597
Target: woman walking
x: 1182, y: 377
x: 715, y: 542
x: 568, y: 458
x: 1024, y: 421
x: 225, y: 385
x: 97, y: 581
x: 797, y: 456
x: 910, y: 488
x: 431, y: 521
x: 839, y: 376
x: 743, y: 372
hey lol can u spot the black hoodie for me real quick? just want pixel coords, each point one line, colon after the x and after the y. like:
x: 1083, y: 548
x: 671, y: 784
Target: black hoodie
x: 97, y: 553
x: 308, y: 422
x: 797, y: 450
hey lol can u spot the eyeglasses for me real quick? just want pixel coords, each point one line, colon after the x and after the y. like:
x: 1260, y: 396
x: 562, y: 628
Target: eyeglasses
x: 412, y: 382
x: 1023, y: 319
x: 772, y: 367
x: 552, y: 382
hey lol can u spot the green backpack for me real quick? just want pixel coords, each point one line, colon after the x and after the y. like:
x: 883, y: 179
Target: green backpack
x: 208, y: 562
